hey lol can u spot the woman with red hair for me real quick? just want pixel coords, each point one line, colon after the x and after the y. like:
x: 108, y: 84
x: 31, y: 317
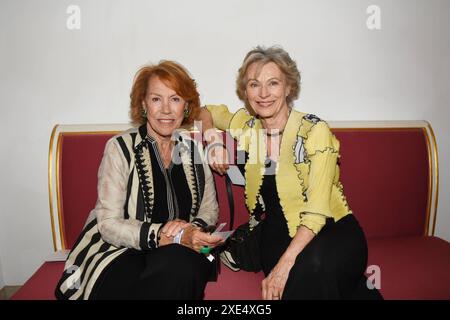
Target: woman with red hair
x: 155, y: 195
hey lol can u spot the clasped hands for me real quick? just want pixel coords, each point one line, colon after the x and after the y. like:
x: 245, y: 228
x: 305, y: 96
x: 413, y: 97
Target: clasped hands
x: 193, y: 237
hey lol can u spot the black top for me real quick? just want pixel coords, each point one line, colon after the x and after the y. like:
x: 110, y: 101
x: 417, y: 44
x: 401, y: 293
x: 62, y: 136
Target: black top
x: 269, y: 193
x: 275, y: 233
x: 170, y: 185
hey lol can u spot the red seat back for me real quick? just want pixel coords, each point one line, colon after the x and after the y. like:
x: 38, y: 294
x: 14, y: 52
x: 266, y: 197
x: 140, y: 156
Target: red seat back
x: 386, y: 178
x: 385, y: 173
x: 79, y: 157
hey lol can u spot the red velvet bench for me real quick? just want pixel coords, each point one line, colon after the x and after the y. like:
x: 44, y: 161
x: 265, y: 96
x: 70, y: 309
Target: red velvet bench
x: 390, y: 175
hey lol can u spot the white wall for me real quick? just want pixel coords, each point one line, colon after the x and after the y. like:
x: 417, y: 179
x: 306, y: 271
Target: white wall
x: 2, y: 282
x: 49, y: 75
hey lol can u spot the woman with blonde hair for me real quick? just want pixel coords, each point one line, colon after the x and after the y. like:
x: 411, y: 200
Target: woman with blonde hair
x: 310, y: 244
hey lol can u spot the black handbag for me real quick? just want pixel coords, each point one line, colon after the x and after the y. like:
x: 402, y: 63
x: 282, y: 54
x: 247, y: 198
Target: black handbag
x: 244, y: 247
x: 244, y: 244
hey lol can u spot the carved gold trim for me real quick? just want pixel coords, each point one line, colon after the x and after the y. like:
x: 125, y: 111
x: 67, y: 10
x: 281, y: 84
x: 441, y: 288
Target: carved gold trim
x: 74, y: 133
x: 374, y: 129
x: 50, y: 185
x: 58, y: 197
x: 430, y: 182
x: 436, y: 174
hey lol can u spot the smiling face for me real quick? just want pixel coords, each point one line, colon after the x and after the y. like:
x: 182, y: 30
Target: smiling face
x: 266, y: 90
x: 164, y: 109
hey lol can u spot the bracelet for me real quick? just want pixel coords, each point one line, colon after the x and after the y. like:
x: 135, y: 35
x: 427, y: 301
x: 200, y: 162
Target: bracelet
x: 205, y: 250
x: 177, y: 238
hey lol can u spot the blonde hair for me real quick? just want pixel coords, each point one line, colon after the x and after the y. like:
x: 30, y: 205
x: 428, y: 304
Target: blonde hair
x: 262, y: 56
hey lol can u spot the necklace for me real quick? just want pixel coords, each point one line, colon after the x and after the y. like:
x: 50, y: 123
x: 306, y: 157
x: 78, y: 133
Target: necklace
x: 274, y: 134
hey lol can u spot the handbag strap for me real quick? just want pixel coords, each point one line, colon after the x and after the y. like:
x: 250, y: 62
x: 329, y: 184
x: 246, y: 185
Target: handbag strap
x: 229, y: 186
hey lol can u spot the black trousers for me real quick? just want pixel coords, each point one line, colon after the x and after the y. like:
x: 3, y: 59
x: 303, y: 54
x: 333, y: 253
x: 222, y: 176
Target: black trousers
x: 169, y: 272
x: 331, y: 266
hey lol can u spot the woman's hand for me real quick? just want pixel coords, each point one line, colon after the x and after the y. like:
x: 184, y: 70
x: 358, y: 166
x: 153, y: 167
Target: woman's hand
x: 216, y: 152
x: 164, y: 240
x: 273, y: 285
x: 217, y: 156
x: 171, y: 228
x: 195, y: 239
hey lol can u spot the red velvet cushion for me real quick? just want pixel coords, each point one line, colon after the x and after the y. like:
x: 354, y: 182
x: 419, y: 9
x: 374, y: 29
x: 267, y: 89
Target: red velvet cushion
x: 412, y: 267
x: 42, y: 285
x: 235, y: 286
x: 232, y: 285
x: 80, y: 156
x: 385, y: 177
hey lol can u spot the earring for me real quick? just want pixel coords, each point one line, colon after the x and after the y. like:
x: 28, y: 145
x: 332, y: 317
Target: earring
x: 186, y: 112
x: 144, y: 111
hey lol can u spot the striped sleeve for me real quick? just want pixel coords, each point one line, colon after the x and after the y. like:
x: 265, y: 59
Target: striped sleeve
x: 109, y: 209
x: 148, y: 236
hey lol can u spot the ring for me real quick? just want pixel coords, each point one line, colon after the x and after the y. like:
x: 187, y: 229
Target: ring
x: 205, y: 250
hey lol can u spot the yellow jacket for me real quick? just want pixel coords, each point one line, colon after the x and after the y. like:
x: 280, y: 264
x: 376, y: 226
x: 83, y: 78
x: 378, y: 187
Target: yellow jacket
x: 307, y: 173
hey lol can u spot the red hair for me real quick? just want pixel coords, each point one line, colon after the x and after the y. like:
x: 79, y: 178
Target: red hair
x: 176, y: 77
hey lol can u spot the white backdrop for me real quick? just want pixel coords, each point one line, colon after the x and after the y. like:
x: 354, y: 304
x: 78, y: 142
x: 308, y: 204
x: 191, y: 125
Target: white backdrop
x: 2, y: 283
x: 50, y: 74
